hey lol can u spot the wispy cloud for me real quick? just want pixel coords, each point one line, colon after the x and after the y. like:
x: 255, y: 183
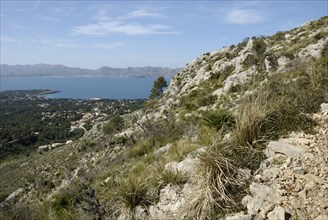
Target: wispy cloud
x: 66, y: 45
x: 244, y: 16
x: 102, y: 15
x: 105, y: 25
x: 142, y: 13
x: 104, y: 28
x: 110, y: 45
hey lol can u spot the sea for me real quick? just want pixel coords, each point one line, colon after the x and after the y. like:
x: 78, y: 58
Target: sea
x: 92, y: 87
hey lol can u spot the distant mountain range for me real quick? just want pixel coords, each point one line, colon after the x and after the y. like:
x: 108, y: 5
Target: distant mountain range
x: 39, y: 70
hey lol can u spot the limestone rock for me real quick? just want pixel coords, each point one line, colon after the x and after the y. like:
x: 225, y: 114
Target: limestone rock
x: 299, y: 170
x: 242, y: 216
x: 321, y: 217
x: 155, y: 213
x: 281, y: 147
x: 12, y: 196
x: 324, y: 107
x: 164, y: 149
x: 265, y: 192
x: 271, y: 173
x: 171, y: 202
x: 312, y: 50
x: 244, y: 174
x: 277, y: 213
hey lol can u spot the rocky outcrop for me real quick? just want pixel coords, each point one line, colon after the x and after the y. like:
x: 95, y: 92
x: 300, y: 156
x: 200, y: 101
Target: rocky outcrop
x: 171, y: 204
x: 292, y: 182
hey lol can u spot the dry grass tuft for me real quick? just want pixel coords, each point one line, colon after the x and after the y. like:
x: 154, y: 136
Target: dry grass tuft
x: 132, y: 192
x: 170, y: 175
x: 217, y: 175
x: 249, y: 119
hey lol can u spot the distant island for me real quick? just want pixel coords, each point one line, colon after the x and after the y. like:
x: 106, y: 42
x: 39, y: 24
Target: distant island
x: 47, y: 70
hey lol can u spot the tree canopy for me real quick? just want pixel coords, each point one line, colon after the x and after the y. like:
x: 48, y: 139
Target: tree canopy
x: 157, y: 90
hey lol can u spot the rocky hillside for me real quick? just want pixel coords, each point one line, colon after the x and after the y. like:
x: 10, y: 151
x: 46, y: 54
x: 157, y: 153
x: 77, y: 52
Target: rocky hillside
x: 240, y: 133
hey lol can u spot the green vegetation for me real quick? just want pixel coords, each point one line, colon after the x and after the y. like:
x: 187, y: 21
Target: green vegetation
x: 217, y: 179
x: 257, y: 58
x: 115, y: 124
x: 28, y: 120
x: 170, y: 176
x: 133, y: 191
x: 157, y: 90
x: 61, y: 205
x: 218, y: 118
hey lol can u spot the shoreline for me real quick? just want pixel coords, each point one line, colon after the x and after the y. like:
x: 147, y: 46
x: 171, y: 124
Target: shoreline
x: 47, y: 92
x: 114, y: 76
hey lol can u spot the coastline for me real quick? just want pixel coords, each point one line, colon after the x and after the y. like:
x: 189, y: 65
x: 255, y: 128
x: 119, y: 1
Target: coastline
x: 47, y: 92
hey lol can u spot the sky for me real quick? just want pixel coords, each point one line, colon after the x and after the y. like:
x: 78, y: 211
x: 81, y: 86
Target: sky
x: 92, y: 34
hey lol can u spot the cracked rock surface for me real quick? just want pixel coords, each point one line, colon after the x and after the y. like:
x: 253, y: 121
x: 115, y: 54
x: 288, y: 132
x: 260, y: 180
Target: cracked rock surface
x: 292, y: 182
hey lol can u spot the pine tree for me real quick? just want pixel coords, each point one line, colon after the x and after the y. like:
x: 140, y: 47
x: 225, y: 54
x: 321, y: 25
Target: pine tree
x: 157, y: 90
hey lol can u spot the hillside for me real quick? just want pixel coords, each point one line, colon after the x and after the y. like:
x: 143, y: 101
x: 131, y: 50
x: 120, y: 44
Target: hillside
x: 240, y: 133
x: 43, y: 70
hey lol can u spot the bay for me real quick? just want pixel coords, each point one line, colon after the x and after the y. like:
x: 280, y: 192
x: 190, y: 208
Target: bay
x: 103, y: 87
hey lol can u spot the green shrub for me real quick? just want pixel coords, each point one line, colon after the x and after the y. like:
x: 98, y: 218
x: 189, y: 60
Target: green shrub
x: 115, y: 124
x: 3, y: 196
x: 142, y: 148
x: 244, y: 156
x: 259, y: 46
x: 207, y: 100
x: 151, y: 103
x: 62, y: 201
x: 85, y: 145
x: 23, y: 211
x: 279, y: 36
x: 243, y: 43
x: 218, y: 119
x: 273, y: 60
x: 206, y: 136
x: 320, y: 35
x: 235, y: 88
x: 180, y: 150
x: 282, y: 121
x: 170, y: 176
x: 222, y: 75
x: 133, y: 191
x: 61, y: 206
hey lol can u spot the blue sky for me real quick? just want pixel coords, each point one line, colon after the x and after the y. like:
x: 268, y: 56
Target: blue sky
x: 91, y: 34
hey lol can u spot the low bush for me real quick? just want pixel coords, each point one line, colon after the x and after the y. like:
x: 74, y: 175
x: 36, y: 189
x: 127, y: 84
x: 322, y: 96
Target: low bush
x: 23, y: 211
x: 133, y: 191
x: 61, y: 206
x: 218, y: 119
x: 115, y: 124
x: 142, y: 148
x: 319, y: 35
x: 279, y: 36
x: 3, y: 196
x: 169, y: 176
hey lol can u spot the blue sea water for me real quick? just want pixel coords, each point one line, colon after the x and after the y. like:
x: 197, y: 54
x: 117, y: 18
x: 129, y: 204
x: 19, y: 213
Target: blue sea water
x: 104, y: 87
